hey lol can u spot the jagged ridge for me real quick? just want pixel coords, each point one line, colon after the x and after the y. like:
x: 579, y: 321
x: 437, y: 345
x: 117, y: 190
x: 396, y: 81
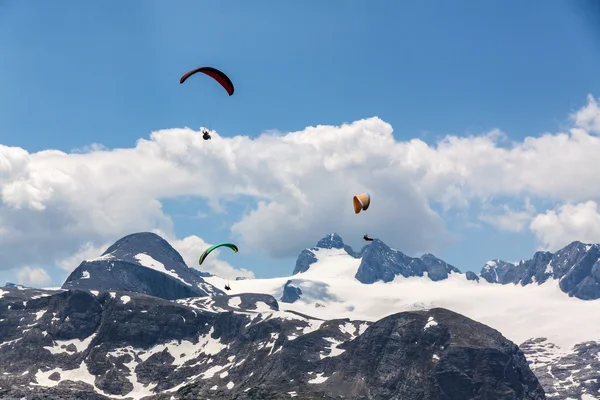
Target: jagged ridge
x: 379, y: 261
x: 576, y: 266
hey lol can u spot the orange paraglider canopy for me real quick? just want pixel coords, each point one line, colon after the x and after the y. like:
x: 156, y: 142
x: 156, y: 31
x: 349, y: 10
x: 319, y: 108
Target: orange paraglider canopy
x: 361, y: 202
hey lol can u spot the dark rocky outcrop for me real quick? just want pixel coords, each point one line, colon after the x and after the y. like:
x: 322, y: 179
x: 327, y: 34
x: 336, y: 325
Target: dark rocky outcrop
x: 291, y: 293
x: 471, y: 276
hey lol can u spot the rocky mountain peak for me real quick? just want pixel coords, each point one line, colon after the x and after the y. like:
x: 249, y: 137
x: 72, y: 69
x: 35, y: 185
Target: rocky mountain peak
x: 331, y: 241
x: 148, y: 243
x: 142, y: 263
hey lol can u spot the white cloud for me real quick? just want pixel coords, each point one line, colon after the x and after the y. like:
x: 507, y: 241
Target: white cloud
x: 299, y: 186
x: 588, y: 117
x: 556, y: 229
x: 87, y: 251
x: 510, y: 220
x: 33, y: 276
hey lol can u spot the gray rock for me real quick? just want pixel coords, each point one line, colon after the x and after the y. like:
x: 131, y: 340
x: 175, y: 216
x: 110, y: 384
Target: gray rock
x: 472, y: 276
x: 406, y: 356
x: 380, y: 262
x: 565, y: 375
x: 436, y: 268
x: 290, y: 293
x: 304, y: 261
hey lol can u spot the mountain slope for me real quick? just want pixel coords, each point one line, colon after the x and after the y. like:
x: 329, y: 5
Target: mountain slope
x: 329, y: 290
x: 557, y: 333
x: 378, y: 262
x: 132, y: 346
x: 576, y: 267
x: 142, y: 263
x: 525, y: 312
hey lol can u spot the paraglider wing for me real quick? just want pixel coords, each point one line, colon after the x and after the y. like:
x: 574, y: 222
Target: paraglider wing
x: 216, y: 246
x: 361, y: 202
x: 214, y: 73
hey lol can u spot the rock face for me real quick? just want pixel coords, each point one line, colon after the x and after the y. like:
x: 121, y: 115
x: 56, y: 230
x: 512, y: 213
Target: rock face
x: 305, y: 259
x: 472, y: 276
x: 380, y: 262
x: 290, y: 293
x: 564, y: 375
x: 436, y: 268
x: 444, y: 355
x: 577, y: 266
x: 142, y: 263
x: 74, y: 344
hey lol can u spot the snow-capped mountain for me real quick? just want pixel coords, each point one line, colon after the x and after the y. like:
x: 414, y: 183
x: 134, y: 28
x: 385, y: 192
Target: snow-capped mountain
x: 102, y: 342
x: 576, y: 267
x: 326, y: 285
x: 378, y: 261
x: 122, y: 345
x: 329, y: 288
x: 106, y: 341
x: 142, y: 263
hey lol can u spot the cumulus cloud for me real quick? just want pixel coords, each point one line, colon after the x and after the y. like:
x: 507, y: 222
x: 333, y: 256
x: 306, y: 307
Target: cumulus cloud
x: 299, y: 186
x: 87, y: 251
x: 588, y: 117
x: 510, y: 220
x: 556, y: 229
x: 33, y: 276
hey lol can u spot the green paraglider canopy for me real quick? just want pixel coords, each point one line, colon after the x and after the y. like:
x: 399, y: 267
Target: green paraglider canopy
x: 216, y: 246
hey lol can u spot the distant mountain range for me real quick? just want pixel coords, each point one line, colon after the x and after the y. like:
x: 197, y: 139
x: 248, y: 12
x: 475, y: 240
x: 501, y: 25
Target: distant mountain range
x: 138, y: 323
x: 576, y: 266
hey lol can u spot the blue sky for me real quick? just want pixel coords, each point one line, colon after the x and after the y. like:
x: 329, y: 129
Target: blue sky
x: 76, y: 73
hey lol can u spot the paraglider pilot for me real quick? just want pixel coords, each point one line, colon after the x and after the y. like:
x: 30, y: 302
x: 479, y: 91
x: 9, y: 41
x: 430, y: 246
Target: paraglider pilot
x: 367, y: 238
x: 205, y: 135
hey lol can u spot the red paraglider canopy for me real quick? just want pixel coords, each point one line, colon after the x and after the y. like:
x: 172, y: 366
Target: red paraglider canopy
x: 214, y: 73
